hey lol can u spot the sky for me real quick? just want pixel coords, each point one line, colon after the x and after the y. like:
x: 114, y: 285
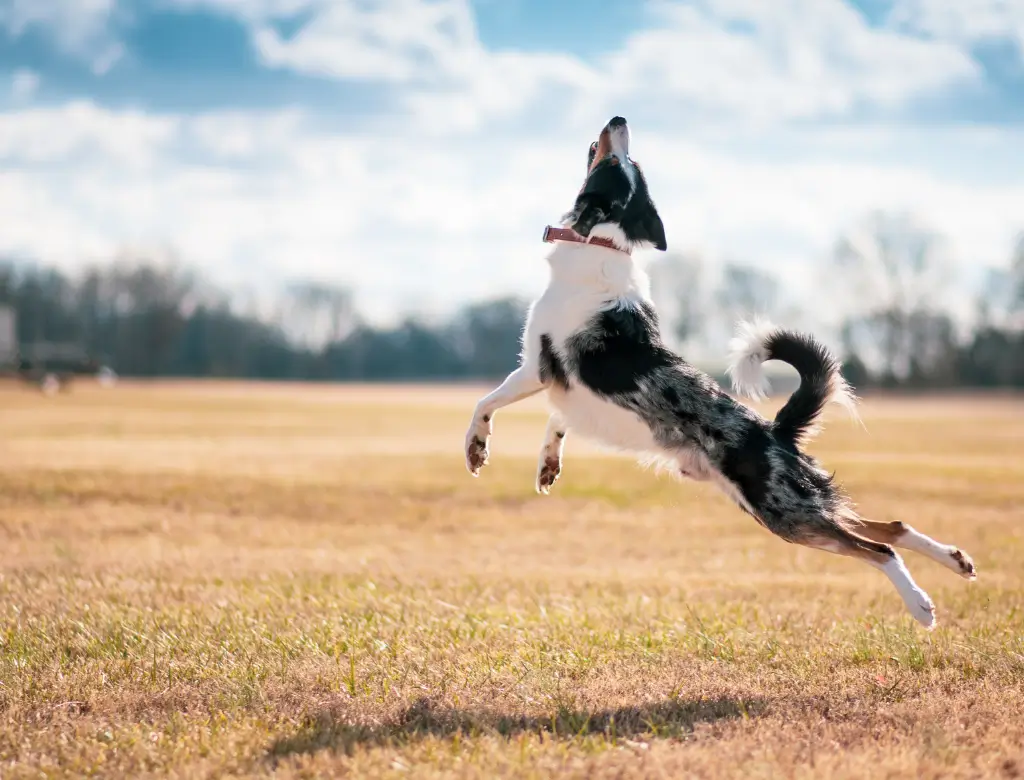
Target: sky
x: 415, y: 149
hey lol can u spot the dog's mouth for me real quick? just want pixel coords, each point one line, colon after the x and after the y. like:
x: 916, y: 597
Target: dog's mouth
x: 613, y: 142
x: 617, y: 125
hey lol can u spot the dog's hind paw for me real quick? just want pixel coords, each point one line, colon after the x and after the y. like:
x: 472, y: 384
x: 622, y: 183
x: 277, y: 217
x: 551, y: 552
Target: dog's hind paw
x: 921, y: 607
x: 962, y: 564
x: 924, y: 613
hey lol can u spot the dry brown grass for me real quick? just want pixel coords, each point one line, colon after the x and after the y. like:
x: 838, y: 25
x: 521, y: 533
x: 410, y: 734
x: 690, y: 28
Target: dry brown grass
x: 219, y: 579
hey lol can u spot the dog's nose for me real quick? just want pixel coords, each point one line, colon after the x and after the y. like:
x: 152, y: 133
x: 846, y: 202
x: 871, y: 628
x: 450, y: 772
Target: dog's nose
x: 617, y: 121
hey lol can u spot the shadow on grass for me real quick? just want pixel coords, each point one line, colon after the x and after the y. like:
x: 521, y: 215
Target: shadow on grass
x: 667, y: 719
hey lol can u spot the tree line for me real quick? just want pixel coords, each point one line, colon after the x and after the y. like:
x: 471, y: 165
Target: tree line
x: 897, y: 316
x: 148, y: 319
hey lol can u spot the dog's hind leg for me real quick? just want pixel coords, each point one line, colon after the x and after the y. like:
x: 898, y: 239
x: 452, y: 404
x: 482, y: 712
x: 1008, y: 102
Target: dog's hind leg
x: 549, y: 465
x: 899, y: 534
x: 881, y: 556
x: 520, y: 384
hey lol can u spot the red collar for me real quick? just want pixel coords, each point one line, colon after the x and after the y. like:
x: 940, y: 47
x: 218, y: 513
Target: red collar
x: 552, y: 234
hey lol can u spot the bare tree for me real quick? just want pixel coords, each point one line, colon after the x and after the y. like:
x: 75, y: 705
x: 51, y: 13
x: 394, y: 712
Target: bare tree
x: 678, y: 287
x: 1000, y: 302
x: 745, y: 292
x: 1015, y: 284
x: 893, y: 276
x: 316, y: 313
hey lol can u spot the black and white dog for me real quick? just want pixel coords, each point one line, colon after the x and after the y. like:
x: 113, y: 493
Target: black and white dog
x: 592, y: 342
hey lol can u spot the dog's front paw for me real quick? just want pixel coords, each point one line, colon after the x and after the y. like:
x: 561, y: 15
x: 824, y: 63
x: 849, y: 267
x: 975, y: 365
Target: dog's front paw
x: 476, y: 455
x: 549, y: 465
x: 547, y: 473
x: 477, y: 437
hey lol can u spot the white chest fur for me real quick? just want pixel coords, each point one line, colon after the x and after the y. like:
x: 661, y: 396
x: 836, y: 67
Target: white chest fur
x: 586, y: 279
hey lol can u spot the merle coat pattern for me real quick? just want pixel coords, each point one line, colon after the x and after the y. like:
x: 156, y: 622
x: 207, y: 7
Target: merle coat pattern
x: 592, y: 342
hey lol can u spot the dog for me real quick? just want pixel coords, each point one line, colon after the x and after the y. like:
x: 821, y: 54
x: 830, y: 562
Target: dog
x: 592, y: 342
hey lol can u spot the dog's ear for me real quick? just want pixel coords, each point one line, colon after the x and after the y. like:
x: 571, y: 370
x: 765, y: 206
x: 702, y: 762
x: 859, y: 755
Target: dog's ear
x: 648, y: 225
x: 643, y: 224
x: 653, y: 229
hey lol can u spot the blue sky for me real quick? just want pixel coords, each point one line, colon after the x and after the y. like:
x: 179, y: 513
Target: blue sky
x: 414, y: 149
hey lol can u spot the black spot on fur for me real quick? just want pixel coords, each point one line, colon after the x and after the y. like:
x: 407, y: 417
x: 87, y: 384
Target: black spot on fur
x: 685, y: 419
x: 650, y: 316
x: 798, y: 486
x: 671, y: 396
x: 746, y: 464
x: 618, y: 349
x: 551, y: 368
x: 713, y: 434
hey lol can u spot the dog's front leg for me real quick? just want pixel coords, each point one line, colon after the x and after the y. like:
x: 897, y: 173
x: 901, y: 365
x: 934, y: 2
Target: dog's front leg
x: 549, y: 466
x: 520, y: 384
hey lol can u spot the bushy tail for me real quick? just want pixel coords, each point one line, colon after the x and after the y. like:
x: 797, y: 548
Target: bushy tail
x: 821, y: 380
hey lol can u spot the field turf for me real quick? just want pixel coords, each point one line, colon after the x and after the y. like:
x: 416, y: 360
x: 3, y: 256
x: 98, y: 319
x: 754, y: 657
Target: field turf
x: 215, y: 579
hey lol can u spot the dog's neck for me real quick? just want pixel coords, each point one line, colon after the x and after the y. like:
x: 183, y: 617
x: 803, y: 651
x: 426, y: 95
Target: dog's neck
x: 613, y: 233
x: 615, y: 239
x: 592, y: 268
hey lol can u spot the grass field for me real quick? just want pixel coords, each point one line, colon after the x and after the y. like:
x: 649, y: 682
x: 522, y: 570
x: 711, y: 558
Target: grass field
x: 208, y: 580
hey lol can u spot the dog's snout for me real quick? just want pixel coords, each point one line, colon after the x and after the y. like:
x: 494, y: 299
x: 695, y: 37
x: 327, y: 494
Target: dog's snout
x: 617, y: 121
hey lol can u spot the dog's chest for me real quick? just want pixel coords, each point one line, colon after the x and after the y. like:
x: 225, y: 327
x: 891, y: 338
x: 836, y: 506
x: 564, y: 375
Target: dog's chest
x: 600, y: 420
x: 584, y: 280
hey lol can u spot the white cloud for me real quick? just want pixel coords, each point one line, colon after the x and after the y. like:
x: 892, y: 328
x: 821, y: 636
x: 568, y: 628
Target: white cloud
x: 790, y: 59
x: 24, y: 84
x: 392, y: 40
x: 107, y: 57
x: 963, y: 21
x: 739, y: 59
x: 253, y: 198
x: 447, y: 200
x: 245, y: 136
x: 79, y: 27
x: 745, y: 60
x: 251, y: 10
x: 727, y: 60
x: 79, y: 130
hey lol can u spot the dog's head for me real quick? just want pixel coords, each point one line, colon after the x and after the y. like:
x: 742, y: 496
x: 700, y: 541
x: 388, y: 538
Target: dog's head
x: 615, y: 192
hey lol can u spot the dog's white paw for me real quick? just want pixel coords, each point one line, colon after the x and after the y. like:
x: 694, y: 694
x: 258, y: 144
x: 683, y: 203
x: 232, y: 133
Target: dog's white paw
x: 923, y: 610
x: 477, y: 438
x: 918, y: 602
x: 549, y: 465
x: 962, y: 564
x: 548, y: 472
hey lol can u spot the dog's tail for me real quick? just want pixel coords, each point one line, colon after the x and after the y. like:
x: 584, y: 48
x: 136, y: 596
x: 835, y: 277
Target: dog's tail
x: 821, y: 380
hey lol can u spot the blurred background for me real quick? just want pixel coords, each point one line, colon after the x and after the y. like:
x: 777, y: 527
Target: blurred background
x: 355, y: 189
